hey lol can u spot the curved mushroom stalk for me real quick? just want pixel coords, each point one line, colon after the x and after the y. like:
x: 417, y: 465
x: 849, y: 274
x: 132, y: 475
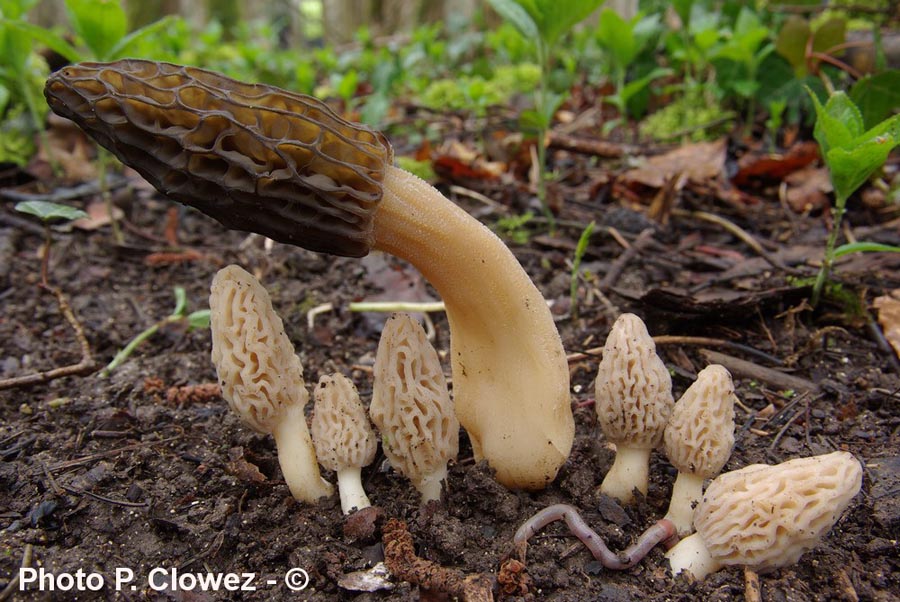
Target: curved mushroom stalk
x: 284, y: 165
x: 510, y: 376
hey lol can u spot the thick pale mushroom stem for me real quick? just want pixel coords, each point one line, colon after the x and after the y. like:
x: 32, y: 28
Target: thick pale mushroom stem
x: 353, y: 496
x: 692, y: 556
x: 297, y: 458
x: 687, y: 491
x: 510, y: 376
x: 630, y: 471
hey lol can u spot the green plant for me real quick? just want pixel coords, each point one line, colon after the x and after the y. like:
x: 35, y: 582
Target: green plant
x: 193, y: 320
x: 22, y: 75
x: 514, y: 228
x: 852, y: 155
x: 48, y: 212
x: 580, y: 250
x: 623, y: 42
x: 544, y: 22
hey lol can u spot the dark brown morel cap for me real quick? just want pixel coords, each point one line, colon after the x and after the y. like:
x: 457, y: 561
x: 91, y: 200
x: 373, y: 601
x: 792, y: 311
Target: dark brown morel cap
x: 254, y: 157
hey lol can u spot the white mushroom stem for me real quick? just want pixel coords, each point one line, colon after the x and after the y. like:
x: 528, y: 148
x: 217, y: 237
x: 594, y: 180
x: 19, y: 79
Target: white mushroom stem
x: 687, y: 491
x: 510, y: 376
x: 630, y: 471
x: 350, y: 487
x: 430, y: 486
x: 692, y: 556
x: 297, y: 457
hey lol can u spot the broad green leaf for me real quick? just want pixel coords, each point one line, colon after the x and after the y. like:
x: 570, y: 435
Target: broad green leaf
x: 615, y: 35
x: 838, y: 122
x: 46, y: 211
x: 560, y: 16
x: 864, y: 247
x: 851, y: 166
x: 829, y: 34
x: 100, y: 23
x: 634, y: 87
x: 198, y: 319
x: 123, y: 46
x: 47, y: 38
x: 513, y: 12
x: 791, y: 43
x: 877, y: 96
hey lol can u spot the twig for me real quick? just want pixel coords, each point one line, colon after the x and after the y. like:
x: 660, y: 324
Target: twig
x: 315, y: 311
x: 103, y: 498
x: 687, y: 340
x: 741, y: 234
x: 400, y: 558
x: 13, y: 584
x: 662, y: 531
x: 618, y: 266
x: 391, y: 306
x: 752, y: 591
x: 745, y: 369
x: 105, y: 454
x: 83, y: 367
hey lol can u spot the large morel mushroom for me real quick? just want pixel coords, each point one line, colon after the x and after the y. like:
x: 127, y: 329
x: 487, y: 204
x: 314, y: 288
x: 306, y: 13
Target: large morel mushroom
x: 265, y: 160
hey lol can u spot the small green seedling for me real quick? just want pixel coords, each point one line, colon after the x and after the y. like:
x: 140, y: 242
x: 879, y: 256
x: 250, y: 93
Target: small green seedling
x: 48, y: 212
x: 852, y: 155
x: 543, y: 23
x: 580, y: 250
x: 194, y: 320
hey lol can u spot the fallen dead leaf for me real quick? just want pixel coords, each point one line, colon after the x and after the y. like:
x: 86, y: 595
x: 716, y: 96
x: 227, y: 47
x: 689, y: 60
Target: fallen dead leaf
x: 699, y: 162
x: 755, y: 166
x: 98, y: 216
x: 808, y: 189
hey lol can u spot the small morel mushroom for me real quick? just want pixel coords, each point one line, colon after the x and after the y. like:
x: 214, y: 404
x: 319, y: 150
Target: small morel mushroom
x: 698, y: 440
x: 262, y: 377
x: 284, y: 165
x: 345, y: 441
x: 634, y: 400
x: 766, y: 517
x: 411, y: 406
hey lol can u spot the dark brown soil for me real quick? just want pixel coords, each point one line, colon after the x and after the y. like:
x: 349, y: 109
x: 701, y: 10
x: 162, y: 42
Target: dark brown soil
x: 99, y: 473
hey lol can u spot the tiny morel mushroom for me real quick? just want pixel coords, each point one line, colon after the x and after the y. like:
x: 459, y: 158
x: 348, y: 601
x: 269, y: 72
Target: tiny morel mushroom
x: 766, y: 517
x: 698, y: 440
x: 262, y: 377
x: 634, y: 400
x: 411, y: 406
x: 345, y: 441
x: 284, y: 165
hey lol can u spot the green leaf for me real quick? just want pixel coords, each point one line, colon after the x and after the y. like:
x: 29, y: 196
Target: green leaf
x: 877, y: 96
x: 851, y: 166
x: 838, y: 122
x: 180, y: 301
x: 615, y: 35
x: 791, y: 43
x: 123, y: 46
x: 47, y: 38
x: 100, y: 23
x: 4, y: 98
x: 46, y: 211
x: 864, y: 247
x: 513, y: 12
x: 829, y: 34
x: 198, y: 319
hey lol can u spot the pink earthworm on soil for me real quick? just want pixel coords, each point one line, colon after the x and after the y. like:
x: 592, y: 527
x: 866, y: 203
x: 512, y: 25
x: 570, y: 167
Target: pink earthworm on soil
x: 663, y: 531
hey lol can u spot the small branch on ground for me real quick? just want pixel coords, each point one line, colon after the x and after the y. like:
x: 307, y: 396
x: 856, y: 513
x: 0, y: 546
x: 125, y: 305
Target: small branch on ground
x: 82, y: 368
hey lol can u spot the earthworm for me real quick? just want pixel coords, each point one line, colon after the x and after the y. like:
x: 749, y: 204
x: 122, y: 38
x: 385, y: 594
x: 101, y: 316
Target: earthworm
x: 662, y: 531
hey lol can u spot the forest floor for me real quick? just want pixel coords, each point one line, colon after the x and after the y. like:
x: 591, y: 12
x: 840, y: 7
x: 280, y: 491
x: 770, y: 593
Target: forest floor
x: 145, y: 469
